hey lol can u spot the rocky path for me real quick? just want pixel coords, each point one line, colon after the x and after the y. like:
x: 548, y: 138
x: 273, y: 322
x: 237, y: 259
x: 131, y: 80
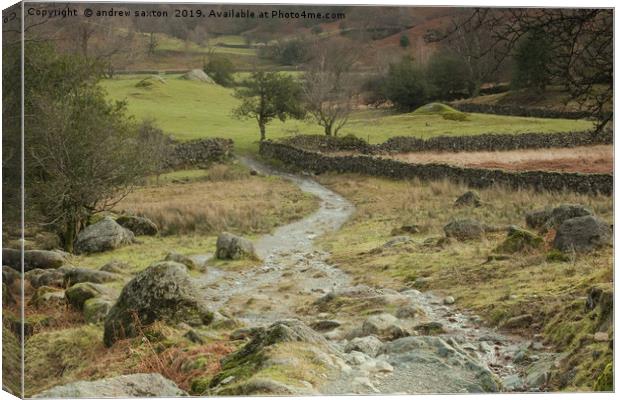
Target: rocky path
x: 396, y: 342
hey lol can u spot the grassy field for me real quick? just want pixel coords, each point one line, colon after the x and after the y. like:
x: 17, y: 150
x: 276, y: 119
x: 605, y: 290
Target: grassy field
x: 528, y: 282
x: 191, y: 110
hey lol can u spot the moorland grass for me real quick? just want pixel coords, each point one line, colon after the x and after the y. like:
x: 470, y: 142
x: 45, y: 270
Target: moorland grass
x: 552, y: 289
x: 190, y: 110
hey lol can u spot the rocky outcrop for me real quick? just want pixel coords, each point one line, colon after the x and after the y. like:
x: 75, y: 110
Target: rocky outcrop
x: 42, y: 259
x: 138, y: 225
x: 582, y: 234
x: 102, y: 236
x: 162, y: 292
x: 232, y: 247
x: 124, y: 386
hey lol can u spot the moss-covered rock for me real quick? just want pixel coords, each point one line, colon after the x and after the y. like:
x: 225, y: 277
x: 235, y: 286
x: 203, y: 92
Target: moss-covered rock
x: 520, y: 240
x: 79, y: 293
x: 96, y: 309
x: 162, y: 292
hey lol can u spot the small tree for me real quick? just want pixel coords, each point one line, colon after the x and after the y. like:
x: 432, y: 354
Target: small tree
x: 531, y: 61
x: 447, y: 75
x: 221, y: 69
x: 328, y: 99
x: 404, y: 41
x: 406, y: 85
x: 268, y: 95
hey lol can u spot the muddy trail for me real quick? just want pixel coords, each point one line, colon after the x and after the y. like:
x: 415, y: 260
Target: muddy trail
x: 383, y: 341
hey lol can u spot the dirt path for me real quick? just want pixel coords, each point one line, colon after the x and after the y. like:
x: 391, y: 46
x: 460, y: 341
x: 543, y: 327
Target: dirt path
x: 461, y: 356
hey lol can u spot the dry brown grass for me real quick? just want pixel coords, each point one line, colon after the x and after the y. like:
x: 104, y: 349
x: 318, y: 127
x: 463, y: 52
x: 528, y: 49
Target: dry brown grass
x: 587, y: 159
x: 224, y: 200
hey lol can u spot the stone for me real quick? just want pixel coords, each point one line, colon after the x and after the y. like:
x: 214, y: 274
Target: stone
x: 42, y: 259
x: 369, y: 345
x: 384, y: 326
x: 430, y: 328
x: 115, y: 267
x: 464, y: 229
x: 325, y: 325
x: 46, y: 296
x: 601, y: 337
x: 537, y: 219
x: 221, y: 321
x: 407, y: 311
x: 9, y: 275
x: 448, y: 300
x: 95, y: 309
x: 80, y: 275
x: 102, y: 236
x: 582, y: 234
x: 565, y: 212
x: 197, y: 75
x: 123, y: 386
x: 521, y: 321
x: 193, y: 336
x: 519, y: 240
x: 80, y: 292
x: 138, y: 225
x: 49, y: 277
x: 468, y: 199
x: 512, y: 383
x: 162, y: 292
x: 232, y: 247
x: 397, y: 241
x: 181, y: 259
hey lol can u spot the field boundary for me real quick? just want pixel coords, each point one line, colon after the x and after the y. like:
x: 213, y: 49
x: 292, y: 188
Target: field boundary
x: 482, y: 142
x: 520, y: 111
x: 475, y: 177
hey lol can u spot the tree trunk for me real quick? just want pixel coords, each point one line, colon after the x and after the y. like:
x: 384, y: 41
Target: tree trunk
x: 68, y: 236
x: 261, y: 126
x: 328, y: 129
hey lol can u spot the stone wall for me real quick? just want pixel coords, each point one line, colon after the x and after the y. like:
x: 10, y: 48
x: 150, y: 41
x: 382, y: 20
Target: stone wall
x: 495, y: 142
x: 474, y: 177
x: 199, y: 153
x: 484, y: 142
x: 519, y: 111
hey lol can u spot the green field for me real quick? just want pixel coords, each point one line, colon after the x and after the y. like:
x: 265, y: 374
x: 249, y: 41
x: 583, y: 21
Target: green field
x: 190, y: 110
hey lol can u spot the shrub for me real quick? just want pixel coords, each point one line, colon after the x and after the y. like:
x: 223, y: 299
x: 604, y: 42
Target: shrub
x: 404, y: 41
x: 406, y: 86
x: 221, y: 69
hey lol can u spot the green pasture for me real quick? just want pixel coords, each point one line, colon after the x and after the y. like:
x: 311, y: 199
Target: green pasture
x: 190, y: 110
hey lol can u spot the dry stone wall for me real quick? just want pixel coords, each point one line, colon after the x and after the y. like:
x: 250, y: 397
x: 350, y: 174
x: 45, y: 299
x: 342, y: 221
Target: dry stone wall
x: 474, y: 177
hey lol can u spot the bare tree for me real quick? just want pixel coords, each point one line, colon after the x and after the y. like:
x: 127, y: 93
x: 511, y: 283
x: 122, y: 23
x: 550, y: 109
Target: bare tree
x: 329, y: 85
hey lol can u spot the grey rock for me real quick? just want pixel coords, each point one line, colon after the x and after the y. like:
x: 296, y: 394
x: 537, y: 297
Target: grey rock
x: 408, y: 311
x: 397, y: 241
x: 47, y: 277
x: 102, y: 236
x: 448, y: 300
x: 406, y: 229
x: 384, y: 326
x: 369, y: 345
x: 138, y: 225
x: 79, y: 293
x: 518, y: 322
x: 124, y: 386
x: 565, y: 212
x: 232, y: 247
x: 464, y: 229
x: 537, y: 219
x: 42, y: 259
x: 582, y: 234
x: 162, y: 292
x: 197, y: 75
x: 79, y: 275
x: 115, y: 267
x: 9, y: 275
x: 512, y: 383
x: 468, y: 199
x: 430, y: 328
x: 96, y: 309
x: 181, y: 259
x: 46, y: 296
x: 325, y: 325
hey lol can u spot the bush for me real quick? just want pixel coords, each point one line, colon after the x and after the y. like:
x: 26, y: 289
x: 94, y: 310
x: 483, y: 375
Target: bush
x: 404, y: 41
x: 406, y: 86
x: 531, y: 61
x: 221, y: 69
x: 447, y: 75
x: 457, y: 116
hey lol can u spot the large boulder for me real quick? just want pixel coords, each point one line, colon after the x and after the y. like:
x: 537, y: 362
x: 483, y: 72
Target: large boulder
x: 123, y: 386
x: 464, y: 229
x: 369, y: 345
x: 232, y: 247
x: 385, y: 326
x: 582, y: 234
x: 42, y: 259
x: 78, y: 294
x: 138, y: 225
x: 102, y: 236
x: 162, y: 292
x: 47, y: 277
x: 197, y: 75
